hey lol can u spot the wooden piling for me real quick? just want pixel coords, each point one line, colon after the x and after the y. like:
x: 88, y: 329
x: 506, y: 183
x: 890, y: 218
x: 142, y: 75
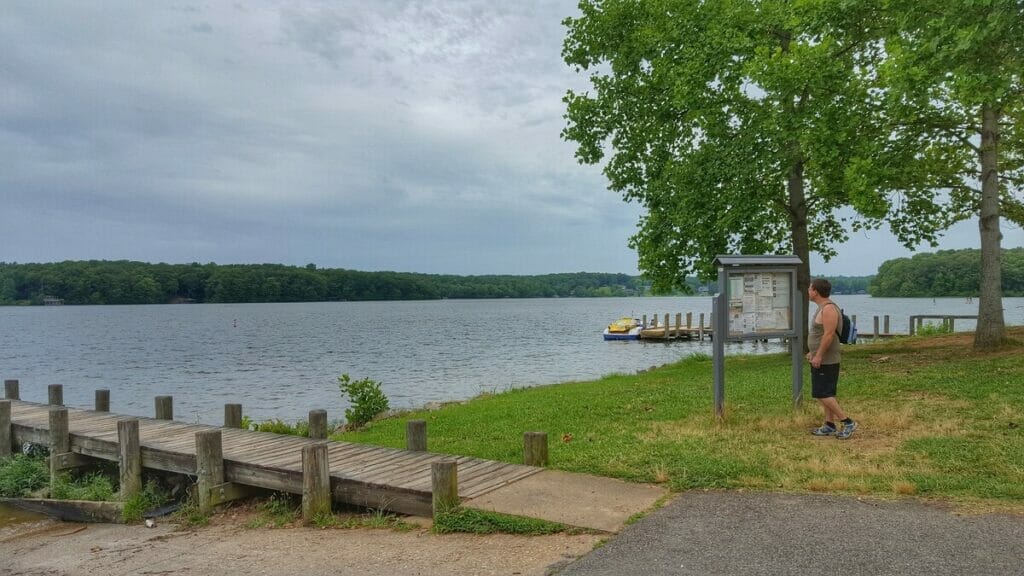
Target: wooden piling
x: 11, y: 390
x: 885, y: 325
x: 102, y: 400
x: 416, y: 435
x: 209, y: 467
x: 5, y: 429
x: 60, y: 439
x: 444, y: 486
x: 535, y: 448
x: 318, y: 424
x: 55, y: 394
x: 689, y: 320
x: 875, y: 333
x: 679, y: 324
x: 232, y: 415
x: 129, y: 457
x: 700, y: 330
x: 666, y: 326
x: 164, y: 407
x: 316, y: 482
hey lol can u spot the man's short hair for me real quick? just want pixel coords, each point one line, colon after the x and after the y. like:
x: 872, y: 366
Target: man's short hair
x: 822, y: 286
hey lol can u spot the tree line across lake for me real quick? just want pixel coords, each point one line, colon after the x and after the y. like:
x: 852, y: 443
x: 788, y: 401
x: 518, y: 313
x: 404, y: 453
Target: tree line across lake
x: 945, y: 273
x: 125, y: 282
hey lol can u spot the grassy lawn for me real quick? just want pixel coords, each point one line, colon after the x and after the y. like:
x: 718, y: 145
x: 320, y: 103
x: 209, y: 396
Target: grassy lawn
x: 937, y: 420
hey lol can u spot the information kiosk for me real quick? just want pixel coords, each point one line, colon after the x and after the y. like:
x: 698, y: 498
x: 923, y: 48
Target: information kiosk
x: 757, y: 299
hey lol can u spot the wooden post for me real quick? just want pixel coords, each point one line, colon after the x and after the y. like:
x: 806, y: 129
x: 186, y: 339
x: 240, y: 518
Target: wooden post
x: 416, y: 435
x: 129, y: 457
x: 232, y: 415
x: 55, y: 394
x: 316, y: 482
x: 444, y: 486
x: 689, y: 320
x: 885, y: 325
x: 679, y: 323
x: 535, y: 448
x: 165, y: 408
x: 209, y: 466
x: 318, y: 424
x: 951, y: 320
x: 11, y: 390
x: 666, y: 326
x: 910, y: 326
x: 700, y: 330
x: 645, y: 321
x: 875, y: 334
x: 103, y: 400
x: 60, y: 438
x: 5, y: 429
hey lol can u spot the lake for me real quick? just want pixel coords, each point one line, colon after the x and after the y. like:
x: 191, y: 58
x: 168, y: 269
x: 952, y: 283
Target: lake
x: 282, y: 360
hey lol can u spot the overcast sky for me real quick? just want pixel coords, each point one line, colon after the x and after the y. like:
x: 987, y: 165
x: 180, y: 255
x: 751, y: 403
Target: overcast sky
x: 418, y: 136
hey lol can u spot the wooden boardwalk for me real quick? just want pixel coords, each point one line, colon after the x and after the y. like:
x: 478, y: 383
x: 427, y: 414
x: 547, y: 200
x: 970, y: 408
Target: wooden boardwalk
x: 363, y: 475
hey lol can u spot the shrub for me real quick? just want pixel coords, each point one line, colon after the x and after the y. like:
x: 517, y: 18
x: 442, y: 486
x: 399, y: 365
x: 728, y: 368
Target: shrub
x: 278, y: 426
x: 21, y: 475
x: 93, y: 486
x: 366, y: 398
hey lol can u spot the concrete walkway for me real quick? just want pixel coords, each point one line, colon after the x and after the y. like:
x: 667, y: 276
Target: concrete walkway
x: 579, y: 500
x: 745, y: 534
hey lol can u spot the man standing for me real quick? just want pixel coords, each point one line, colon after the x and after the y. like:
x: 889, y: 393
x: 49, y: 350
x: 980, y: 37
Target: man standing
x: 823, y: 346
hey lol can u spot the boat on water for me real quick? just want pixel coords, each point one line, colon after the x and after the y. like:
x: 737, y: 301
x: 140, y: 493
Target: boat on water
x: 624, y: 328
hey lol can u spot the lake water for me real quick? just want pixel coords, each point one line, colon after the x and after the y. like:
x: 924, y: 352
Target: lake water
x: 282, y: 360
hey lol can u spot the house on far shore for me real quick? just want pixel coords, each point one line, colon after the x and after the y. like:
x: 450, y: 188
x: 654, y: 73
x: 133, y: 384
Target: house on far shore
x: 52, y: 301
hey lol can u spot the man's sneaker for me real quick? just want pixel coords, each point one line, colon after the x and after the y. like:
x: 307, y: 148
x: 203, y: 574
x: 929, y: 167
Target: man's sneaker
x: 825, y: 430
x: 847, y: 430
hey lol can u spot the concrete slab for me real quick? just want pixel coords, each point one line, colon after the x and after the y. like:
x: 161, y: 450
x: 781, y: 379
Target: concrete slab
x: 578, y: 500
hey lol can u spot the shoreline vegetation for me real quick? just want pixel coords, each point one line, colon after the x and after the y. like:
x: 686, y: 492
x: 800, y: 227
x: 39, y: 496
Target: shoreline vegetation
x: 946, y: 273
x: 98, y: 282
x: 938, y: 421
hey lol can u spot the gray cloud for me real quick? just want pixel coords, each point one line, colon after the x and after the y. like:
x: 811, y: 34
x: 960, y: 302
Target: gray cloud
x: 417, y: 136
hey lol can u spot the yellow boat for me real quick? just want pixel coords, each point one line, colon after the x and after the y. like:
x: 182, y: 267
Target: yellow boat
x: 624, y: 328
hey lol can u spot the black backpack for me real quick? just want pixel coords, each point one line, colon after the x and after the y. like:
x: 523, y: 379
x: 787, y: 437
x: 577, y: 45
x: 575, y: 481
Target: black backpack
x: 847, y: 330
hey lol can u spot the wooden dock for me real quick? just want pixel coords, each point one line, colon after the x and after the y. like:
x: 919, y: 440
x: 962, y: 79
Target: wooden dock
x: 686, y: 329
x: 359, y: 474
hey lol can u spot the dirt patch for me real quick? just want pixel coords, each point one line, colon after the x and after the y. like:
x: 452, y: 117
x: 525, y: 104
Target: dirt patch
x: 227, y: 546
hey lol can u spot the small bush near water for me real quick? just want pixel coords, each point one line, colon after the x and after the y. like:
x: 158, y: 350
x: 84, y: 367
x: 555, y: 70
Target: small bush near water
x: 366, y: 398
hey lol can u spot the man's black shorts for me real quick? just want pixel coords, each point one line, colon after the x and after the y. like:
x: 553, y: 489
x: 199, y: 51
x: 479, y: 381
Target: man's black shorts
x: 824, y: 380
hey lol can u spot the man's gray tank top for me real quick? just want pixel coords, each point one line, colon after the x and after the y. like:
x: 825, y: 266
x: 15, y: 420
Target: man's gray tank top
x: 832, y: 354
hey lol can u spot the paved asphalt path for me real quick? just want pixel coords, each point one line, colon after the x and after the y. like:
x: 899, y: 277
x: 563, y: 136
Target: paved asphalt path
x: 743, y: 534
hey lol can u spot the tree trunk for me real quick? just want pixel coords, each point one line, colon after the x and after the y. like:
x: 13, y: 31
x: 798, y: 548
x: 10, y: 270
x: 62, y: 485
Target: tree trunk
x: 991, y: 330
x: 801, y: 245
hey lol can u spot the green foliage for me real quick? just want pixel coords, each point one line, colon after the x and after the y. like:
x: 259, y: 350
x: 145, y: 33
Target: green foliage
x: 474, y: 521
x: 365, y: 397
x: 151, y: 497
x: 189, y: 514
x: 21, y: 475
x: 930, y: 329
x: 124, y: 282
x: 946, y: 273
x: 95, y: 486
x: 732, y: 123
x: 278, y: 426
x: 279, y: 510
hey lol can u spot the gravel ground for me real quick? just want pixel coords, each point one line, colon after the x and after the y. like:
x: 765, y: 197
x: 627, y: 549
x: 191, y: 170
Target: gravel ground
x: 53, y: 548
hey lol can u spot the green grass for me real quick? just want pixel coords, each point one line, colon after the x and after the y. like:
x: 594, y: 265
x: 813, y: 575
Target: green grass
x: 95, y: 486
x: 936, y: 419
x: 149, y: 498
x: 482, y: 522
x: 21, y: 475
